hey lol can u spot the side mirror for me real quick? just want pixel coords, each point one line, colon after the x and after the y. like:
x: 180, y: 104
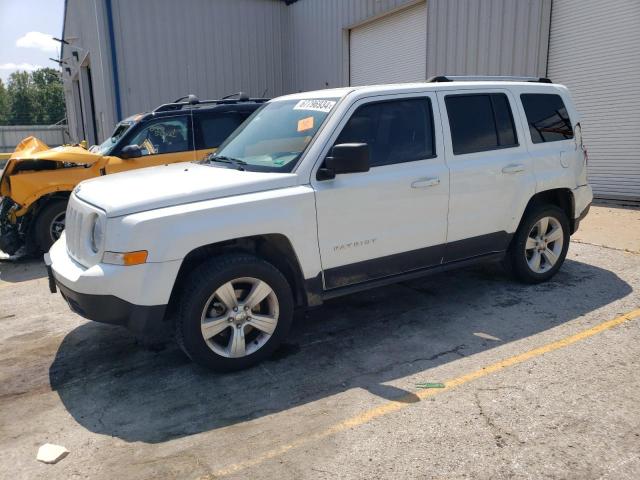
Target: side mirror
x: 130, y: 151
x: 345, y: 158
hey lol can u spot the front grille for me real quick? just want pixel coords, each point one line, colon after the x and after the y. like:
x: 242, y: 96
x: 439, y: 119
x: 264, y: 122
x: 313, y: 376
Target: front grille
x: 78, y: 224
x: 73, y: 230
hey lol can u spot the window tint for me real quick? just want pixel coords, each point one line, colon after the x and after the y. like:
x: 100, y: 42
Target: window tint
x: 547, y: 117
x: 213, y: 128
x: 168, y: 135
x: 396, y: 131
x: 480, y: 122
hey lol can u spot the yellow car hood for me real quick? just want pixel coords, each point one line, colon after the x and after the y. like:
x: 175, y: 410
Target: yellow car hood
x: 33, y: 149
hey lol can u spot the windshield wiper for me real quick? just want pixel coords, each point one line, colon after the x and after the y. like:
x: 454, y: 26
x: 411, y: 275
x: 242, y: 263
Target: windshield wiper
x: 236, y: 162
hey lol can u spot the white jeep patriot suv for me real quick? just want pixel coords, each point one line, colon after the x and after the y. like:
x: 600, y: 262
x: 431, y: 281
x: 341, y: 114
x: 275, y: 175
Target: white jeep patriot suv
x: 321, y: 194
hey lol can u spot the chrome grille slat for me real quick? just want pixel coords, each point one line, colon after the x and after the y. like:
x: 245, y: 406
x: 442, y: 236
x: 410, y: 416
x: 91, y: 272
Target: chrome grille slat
x: 79, y: 215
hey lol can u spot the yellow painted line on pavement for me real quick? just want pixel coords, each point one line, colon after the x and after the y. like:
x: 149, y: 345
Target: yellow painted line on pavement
x: 407, y: 400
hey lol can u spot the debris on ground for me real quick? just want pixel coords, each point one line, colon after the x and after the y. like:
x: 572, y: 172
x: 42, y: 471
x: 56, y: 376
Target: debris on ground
x: 50, y: 453
x: 430, y: 385
x: 486, y: 336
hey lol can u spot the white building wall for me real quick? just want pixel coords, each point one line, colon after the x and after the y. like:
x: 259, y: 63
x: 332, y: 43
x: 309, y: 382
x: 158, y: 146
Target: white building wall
x: 167, y: 49
x: 317, y: 49
x: 492, y: 37
x: 488, y: 37
x: 595, y: 51
x: 85, y: 26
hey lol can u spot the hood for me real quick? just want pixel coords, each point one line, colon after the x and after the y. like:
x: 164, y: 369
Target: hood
x: 33, y: 149
x: 175, y: 184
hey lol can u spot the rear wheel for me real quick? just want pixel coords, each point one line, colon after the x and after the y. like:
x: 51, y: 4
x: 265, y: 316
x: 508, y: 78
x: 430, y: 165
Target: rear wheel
x: 540, y: 245
x: 49, y: 224
x: 234, y: 312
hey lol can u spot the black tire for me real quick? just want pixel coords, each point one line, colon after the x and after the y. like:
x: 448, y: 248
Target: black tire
x: 516, y: 260
x: 42, y: 226
x: 199, y: 288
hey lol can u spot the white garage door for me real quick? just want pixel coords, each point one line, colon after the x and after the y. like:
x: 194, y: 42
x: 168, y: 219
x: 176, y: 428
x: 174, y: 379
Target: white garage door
x: 390, y: 49
x: 595, y: 50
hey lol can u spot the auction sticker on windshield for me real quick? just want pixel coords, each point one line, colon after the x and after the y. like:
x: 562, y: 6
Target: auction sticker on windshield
x: 305, y: 124
x: 315, y: 105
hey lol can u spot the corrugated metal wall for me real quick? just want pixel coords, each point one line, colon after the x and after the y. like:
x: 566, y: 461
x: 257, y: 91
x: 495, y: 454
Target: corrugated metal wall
x: 167, y: 49
x: 488, y: 37
x: 317, y: 50
x: 595, y: 51
x: 505, y: 37
x: 85, y: 24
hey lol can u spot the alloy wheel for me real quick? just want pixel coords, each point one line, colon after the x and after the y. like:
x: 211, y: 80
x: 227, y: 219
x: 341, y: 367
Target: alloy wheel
x: 544, y: 244
x: 57, y: 226
x: 239, y: 317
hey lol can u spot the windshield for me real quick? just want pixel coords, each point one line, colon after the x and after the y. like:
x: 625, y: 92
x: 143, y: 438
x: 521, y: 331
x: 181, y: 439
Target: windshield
x: 105, y: 147
x: 275, y: 136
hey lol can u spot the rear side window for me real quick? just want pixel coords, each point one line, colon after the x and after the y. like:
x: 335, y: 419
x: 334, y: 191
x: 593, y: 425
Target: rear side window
x: 213, y: 128
x: 547, y: 117
x: 480, y: 122
x: 396, y: 131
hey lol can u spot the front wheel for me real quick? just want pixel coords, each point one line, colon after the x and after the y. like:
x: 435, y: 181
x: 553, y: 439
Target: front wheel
x: 235, y: 310
x: 540, y: 244
x: 49, y: 224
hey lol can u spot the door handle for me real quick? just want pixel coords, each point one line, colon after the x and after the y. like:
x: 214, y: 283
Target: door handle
x: 426, y: 182
x: 513, y: 168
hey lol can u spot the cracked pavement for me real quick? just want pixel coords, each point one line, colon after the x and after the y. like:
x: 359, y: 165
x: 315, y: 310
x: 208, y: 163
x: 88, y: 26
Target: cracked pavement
x: 127, y: 412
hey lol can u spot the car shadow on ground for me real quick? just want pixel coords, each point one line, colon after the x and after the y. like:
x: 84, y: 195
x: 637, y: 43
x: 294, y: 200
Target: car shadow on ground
x: 16, y: 270
x: 112, y: 386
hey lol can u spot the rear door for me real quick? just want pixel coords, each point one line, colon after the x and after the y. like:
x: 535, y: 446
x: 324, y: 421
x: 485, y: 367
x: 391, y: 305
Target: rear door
x: 393, y: 218
x: 161, y: 141
x: 213, y: 127
x: 491, y: 172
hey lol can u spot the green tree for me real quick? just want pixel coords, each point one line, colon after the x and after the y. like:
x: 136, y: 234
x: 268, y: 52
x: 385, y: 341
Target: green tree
x: 4, y: 104
x: 34, y: 98
x: 48, y: 96
x: 20, y: 90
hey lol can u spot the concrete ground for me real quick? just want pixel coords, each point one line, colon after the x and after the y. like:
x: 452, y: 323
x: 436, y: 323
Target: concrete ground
x: 613, y: 226
x: 541, y: 382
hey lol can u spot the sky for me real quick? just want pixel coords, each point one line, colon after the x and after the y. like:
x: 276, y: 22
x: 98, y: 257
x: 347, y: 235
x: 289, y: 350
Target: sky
x: 26, y: 28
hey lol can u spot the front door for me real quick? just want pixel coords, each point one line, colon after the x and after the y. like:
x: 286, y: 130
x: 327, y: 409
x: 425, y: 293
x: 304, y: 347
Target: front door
x: 393, y: 218
x: 164, y: 140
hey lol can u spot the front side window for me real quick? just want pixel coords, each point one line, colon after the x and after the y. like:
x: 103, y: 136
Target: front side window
x: 168, y: 135
x: 275, y: 136
x: 480, y: 122
x: 396, y: 131
x: 547, y: 117
x: 213, y: 128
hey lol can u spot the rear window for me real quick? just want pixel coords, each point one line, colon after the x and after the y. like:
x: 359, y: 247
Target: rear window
x: 547, y: 117
x: 480, y: 122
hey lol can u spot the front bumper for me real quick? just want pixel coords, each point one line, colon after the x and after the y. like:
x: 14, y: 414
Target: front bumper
x: 132, y: 297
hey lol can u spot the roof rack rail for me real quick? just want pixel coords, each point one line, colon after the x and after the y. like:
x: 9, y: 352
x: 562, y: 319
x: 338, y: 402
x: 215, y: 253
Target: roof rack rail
x: 192, y: 100
x: 486, y: 78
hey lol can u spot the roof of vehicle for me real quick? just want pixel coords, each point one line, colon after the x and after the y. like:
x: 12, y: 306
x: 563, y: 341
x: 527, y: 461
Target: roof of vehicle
x: 462, y: 84
x: 193, y: 104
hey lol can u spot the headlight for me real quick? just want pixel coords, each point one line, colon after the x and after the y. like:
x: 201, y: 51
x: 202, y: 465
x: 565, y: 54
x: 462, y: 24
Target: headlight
x: 97, y: 233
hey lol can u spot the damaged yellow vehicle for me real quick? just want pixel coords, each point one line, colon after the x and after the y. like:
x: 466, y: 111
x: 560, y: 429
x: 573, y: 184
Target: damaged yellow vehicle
x: 37, y: 180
